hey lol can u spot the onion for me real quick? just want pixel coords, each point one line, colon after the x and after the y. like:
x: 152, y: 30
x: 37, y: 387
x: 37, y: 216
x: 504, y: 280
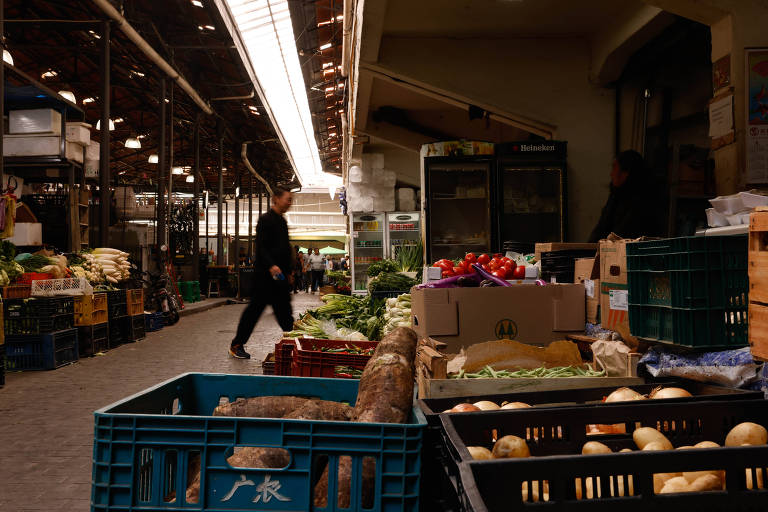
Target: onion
x: 465, y: 408
x: 661, y: 393
x: 624, y: 395
x: 515, y: 405
x: 485, y: 405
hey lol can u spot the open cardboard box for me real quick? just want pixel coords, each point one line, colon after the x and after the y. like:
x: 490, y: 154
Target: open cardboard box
x: 460, y: 317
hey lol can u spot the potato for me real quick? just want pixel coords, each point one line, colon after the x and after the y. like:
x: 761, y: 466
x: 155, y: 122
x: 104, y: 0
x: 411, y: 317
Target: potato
x: 623, y: 490
x: 511, y: 447
x: 644, y: 435
x: 625, y: 450
x: 706, y: 483
x: 594, y: 448
x: 692, y: 476
x: 485, y: 405
x: 465, y: 408
x: 479, y: 452
x: 685, y: 448
x: 677, y: 484
x: 747, y: 433
x: 759, y: 473
x: 659, y: 479
x: 706, y: 444
x: 655, y: 446
x: 515, y: 405
x: 588, y: 488
x: 535, y: 491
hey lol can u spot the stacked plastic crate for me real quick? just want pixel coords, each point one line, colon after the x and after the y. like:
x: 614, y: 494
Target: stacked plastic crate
x: 137, y: 328
x: 39, y: 333
x: 91, y: 320
x: 117, y: 314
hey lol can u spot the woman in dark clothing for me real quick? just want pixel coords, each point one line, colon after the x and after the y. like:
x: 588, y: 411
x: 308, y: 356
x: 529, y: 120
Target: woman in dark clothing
x: 629, y: 212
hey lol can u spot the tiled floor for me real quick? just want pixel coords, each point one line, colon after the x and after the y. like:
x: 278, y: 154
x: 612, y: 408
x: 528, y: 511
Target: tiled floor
x: 46, y: 421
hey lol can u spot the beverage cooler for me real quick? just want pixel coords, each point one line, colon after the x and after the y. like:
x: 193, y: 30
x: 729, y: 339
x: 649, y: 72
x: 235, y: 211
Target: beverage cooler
x: 368, y: 245
x: 404, y: 229
x: 477, y: 196
x: 531, y: 192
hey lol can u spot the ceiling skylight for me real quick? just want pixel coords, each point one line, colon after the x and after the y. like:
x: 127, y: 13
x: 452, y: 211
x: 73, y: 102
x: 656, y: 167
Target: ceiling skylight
x: 263, y: 33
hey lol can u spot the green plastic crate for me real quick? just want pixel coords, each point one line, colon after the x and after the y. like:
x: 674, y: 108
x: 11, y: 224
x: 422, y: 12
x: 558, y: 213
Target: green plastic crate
x: 690, y: 291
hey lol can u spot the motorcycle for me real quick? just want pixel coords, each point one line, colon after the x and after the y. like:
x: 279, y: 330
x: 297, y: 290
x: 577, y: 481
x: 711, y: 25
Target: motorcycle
x: 160, y: 297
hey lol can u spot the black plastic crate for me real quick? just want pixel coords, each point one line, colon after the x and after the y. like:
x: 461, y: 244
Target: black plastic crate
x: 119, y: 331
x: 41, y: 351
x: 38, y: 325
x: 117, y: 303
x: 154, y: 321
x: 93, y: 339
x: 439, y: 468
x: 555, y: 437
x: 38, y: 306
x: 137, y: 328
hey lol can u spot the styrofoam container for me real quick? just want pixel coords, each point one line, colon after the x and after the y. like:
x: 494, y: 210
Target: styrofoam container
x: 27, y: 233
x: 91, y: 168
x: 79, y: 133
x: 753, y: 199
x: 355, y: 174
x: 738, y: 219
x: 373, y: 161
x: 39, y: 120
x: 75, y: 152
x: 93, y: 151
x: 716, y: 219
x: 727, y: 205
x: 40, y: 145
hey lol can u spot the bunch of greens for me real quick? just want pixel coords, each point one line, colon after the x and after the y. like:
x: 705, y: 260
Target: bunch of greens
x: 391, y: 281
x: 35, y: 262
x: 379, y: 267
x: 359, y: 314
x: 410, y: 258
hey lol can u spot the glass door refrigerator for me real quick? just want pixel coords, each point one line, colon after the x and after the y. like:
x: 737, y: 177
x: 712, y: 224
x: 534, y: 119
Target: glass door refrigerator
x: 368, y: 245
x: 404, y: 229
x: 457, y: 205
x: 531, y: 192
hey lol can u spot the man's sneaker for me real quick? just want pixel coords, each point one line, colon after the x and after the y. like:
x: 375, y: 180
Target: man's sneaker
x: 238, y: 352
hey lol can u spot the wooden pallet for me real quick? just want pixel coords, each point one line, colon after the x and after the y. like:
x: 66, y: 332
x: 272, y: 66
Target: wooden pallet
x: 758, y: 283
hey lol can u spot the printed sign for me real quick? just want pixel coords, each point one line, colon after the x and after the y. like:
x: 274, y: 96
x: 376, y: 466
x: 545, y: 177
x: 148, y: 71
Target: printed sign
x: 619, y: 300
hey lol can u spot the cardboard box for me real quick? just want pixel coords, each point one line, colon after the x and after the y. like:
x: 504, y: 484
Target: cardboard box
x: 526, y: 313
x: 27, y: 233
x: 587, y: 272
x: 562, y: 246
x: 614, y: 293
x: 38, y: 120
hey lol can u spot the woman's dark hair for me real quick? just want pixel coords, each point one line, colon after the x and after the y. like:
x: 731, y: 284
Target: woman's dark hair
x: 279, y: 191
x: 632, y: 162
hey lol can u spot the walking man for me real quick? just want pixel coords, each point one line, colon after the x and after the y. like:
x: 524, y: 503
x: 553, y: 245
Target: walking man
x: 317, y: 265
x: 274, y: 273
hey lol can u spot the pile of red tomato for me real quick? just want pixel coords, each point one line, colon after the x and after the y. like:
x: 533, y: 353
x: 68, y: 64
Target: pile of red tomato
x: 499, y: 265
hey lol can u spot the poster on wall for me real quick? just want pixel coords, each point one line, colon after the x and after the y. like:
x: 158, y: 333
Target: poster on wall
x: 757, y: 115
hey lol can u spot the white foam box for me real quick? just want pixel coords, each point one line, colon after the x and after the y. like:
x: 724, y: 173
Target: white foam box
x: 93, y: 151
x: 27, y: 233
x: 91, y: 168
x: 39, y: 120
x: 355, y: 174
x: 372, y: 161
x: 40, y: 145
x: 383, y: 205
x: 79, y: 133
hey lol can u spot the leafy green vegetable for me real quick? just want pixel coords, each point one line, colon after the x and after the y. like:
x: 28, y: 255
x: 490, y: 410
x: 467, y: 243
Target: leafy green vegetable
x: 391, y: 281
x: 11, y: 268
x: 410, y: 258
x: 35, y: 262
x: 7, y: 250
x: 378, y: 267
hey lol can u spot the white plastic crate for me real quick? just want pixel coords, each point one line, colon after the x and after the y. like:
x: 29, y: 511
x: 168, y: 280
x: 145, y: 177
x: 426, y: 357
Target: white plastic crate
x: 56, y: 287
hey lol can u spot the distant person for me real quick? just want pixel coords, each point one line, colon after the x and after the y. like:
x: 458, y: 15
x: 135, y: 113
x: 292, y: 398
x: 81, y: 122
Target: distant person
x: 273, y: 273
x: 329, y: 264
x: 317, y: 266
x: 629, y: 211
x: 298, y: 270
x: 307, y: 271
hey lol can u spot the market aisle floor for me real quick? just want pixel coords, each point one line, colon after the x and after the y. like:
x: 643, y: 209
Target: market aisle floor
x: 46, y: 420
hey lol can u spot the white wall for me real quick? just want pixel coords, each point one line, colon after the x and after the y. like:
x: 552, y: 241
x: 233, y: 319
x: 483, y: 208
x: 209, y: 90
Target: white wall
x: 542, y: 79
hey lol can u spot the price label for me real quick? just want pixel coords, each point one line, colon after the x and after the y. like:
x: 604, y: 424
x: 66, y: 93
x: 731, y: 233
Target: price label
x: 589, y: 286
x: 619, y: 300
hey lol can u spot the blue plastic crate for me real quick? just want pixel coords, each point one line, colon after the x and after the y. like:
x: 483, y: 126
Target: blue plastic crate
x: 41, y: 351
x: 154, y: 321
x: 144, y: 445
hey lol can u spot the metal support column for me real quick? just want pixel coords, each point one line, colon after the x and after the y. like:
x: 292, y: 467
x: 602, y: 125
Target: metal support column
x: 220, y: 200
x: 250, y: 217
x: 105, y: 198
x: 236, y: 248
x: 196, y: 198
x: 162, y: 170
x: 2, y: 88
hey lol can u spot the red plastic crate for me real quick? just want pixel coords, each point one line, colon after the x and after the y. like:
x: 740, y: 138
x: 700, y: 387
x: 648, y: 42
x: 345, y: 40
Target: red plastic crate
x: 284, y: 355
x: 309, y: 361
x: 28, y: 277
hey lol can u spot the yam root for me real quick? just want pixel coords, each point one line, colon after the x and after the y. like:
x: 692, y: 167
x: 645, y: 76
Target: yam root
x: 385, y: 395
x: 260, y: 407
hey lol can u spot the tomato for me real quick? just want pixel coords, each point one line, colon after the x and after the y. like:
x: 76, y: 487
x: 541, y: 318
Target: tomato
x: 445, y: 265
x: 447, y: 273
x: 485, y: 267
x: 470, y: 258
x: 518, y: 272
x: 493, y: 265
x: 501, y: 273
x: 505, y: 259
x: 509, y: 266
x: 483, y: 259
x: 459, y: 271
x: 498, y: 256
